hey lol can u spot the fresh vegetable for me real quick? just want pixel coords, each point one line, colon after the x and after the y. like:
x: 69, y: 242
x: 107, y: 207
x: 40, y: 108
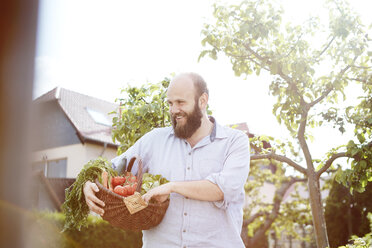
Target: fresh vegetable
x: 105, y: 179
x: 121, y: 190
x: 132, y: 179
x: 74, y: 207
x: 117, y: 181
x: 150, y: 181
x: 111, y: 187
x: 125, y: 185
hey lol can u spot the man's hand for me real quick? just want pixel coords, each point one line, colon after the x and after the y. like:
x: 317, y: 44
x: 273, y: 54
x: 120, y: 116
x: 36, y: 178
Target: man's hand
x: 91, y: 199
x: 160, y: 193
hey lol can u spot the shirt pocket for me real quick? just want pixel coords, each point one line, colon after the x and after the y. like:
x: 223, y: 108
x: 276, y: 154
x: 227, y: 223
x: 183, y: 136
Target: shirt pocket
x: 209, y: 166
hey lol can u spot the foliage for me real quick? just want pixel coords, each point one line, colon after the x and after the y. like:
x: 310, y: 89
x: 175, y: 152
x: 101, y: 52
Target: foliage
x: 345, y: 212
x: 309, y: 81
x: 75, y: 207
x: 361, y: 165
x: 45, y: 231
x: 253, y: 37
x: 141, y: 109
x: 274, y: 215
x: 150, y: 181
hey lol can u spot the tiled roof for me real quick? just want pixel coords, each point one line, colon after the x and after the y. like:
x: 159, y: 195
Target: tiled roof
x: 75, y: 106
x: 240, y: 126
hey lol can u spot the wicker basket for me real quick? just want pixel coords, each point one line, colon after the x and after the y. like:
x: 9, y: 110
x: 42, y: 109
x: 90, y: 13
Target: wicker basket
x: 117, y: 214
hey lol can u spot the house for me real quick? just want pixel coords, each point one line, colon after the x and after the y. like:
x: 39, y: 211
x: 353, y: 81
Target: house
x: 69, y: 130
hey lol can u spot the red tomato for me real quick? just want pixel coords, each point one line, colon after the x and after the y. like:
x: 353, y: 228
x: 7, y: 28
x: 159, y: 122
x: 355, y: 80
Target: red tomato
x: 134, y: 186
x: 132, y: 179
x: 129, y: 189
x: 120, y: 190
x: 117, y: 181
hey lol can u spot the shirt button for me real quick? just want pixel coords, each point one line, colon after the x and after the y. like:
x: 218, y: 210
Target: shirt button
x: 184, y: 230
x: 186, y: 197
x: 189, y: 153
x: 188, y: 168
x: 185, y: 214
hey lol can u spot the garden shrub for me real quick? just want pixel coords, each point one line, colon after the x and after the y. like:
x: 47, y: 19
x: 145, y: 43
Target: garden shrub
x: 45, y: 232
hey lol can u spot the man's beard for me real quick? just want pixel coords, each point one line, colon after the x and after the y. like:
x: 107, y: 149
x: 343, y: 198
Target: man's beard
x: 193, y: 122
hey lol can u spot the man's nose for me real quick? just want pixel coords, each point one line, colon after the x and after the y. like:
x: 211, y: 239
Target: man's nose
x: 174, y: 109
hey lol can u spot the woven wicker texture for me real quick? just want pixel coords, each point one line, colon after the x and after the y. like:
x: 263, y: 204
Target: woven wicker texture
x: 117, y: 214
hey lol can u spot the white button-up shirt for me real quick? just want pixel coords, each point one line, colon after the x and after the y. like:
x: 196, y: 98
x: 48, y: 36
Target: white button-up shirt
x: 222, y: 158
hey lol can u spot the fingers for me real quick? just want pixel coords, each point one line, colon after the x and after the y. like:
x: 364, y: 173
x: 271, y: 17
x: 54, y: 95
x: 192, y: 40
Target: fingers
x: 159, y: 198
x: 94, y: 207
x: 91, y: 199
x: 95, y: 187
x: 147, y: 197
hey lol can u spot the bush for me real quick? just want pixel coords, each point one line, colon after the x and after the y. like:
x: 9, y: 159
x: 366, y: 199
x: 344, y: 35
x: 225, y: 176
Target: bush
x: 45, y: 232
x: 365, y: 242
x: 346, y: 214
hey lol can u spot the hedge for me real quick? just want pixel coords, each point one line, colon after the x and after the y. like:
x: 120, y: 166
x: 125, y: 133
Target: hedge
x: 45, y: 230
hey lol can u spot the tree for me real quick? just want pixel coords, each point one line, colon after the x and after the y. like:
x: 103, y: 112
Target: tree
x: 262, y: 215
x: 252, y: 36
x: 346, y: 214
x: 141, y: 109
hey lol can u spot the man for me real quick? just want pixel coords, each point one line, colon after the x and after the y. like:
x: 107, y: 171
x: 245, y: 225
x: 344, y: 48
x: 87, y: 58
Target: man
x: 207, y: 166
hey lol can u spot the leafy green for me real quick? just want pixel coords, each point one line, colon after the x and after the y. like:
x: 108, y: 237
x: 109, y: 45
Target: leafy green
x: 75, y: 207
x: 150, y: 181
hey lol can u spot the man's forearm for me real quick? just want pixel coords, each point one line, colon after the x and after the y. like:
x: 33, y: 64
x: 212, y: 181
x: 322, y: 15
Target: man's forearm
x: 203, y: 190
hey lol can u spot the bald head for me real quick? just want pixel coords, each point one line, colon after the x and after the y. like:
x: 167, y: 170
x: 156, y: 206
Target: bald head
x: 192, y: 81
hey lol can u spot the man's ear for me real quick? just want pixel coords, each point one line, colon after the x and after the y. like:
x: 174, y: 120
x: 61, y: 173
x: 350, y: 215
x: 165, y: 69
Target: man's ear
x: 203, y: 101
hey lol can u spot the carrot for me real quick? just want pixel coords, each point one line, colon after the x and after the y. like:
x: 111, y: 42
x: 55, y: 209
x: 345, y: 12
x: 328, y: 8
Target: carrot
x: 105, y: 179
x: 110, y: 183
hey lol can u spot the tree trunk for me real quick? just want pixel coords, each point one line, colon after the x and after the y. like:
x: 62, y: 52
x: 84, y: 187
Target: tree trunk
x: 303, y: 243
x: 317, y: 211
x: 349, y: 221
x: 260, y: 233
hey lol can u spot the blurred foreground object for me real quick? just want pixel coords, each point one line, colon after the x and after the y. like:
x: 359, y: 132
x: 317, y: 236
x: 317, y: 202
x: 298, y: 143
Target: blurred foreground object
x: 17, y: 52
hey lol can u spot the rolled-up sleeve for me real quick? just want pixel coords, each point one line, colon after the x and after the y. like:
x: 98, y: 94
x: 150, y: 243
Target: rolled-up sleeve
x: 232, y: 177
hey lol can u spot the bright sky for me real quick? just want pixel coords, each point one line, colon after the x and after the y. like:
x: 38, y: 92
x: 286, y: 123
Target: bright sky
x: 97, y: 47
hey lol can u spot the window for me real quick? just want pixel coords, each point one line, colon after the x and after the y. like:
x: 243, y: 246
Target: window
x: 99, y: 117
x: 52, y: 168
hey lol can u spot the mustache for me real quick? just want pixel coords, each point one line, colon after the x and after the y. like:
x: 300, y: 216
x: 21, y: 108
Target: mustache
x: 179, y: 115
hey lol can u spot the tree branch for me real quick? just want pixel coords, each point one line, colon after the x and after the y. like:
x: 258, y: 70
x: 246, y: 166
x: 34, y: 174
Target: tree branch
x: 361, y: 67
x: 326, y: 93
x: 359, y: 79
x: 327, y: 46
x: 255, y: 148
x: 329, y: 162
x: 280, y: 158
x: 294, y: 46
x: 287, y: 78
x: 302, y: 140
x: 278, y: 198
x: 301, y: 131
x: 253, y: 217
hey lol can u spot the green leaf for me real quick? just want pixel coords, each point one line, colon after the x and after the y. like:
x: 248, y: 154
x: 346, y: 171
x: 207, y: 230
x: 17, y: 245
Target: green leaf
x: 361, y: 137
x: 274, y: 68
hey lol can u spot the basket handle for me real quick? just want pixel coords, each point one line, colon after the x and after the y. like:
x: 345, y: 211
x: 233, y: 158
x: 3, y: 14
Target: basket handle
x: 139, y: 171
